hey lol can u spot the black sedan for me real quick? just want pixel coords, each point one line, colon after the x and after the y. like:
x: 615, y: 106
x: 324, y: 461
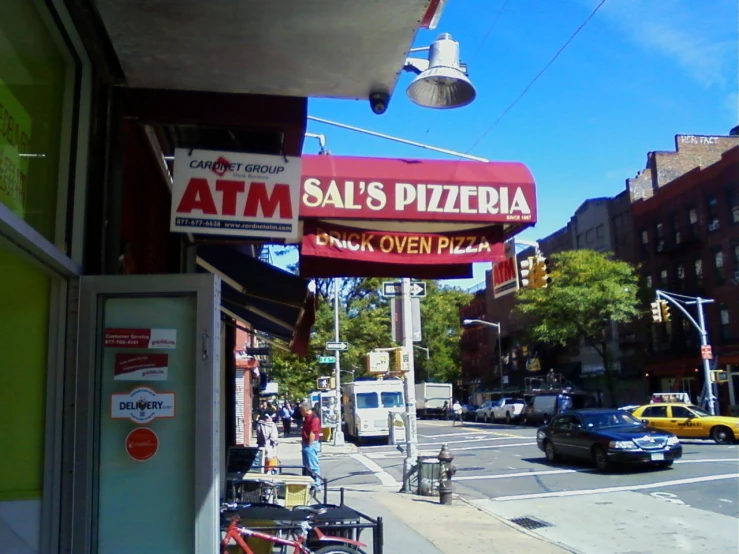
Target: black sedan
x: 607, y: 437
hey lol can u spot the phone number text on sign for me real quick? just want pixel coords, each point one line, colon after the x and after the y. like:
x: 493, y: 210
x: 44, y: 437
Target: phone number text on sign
x: 140, y: 338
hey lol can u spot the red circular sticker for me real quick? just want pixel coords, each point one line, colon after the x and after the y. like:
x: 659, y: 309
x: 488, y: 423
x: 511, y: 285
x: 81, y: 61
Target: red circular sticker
x: 142, y: 443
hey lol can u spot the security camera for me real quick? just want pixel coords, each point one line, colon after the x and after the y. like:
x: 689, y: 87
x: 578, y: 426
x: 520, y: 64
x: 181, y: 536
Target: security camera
x: 378, y: 102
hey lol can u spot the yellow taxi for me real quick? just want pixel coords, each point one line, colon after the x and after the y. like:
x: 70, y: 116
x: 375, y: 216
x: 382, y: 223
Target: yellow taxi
x: 689, y: 422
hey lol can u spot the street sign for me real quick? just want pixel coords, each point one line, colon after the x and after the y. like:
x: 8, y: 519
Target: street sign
x: 337, y: 346
x: 706, y: 352
x: 326, y: 359
x: 395, y: 288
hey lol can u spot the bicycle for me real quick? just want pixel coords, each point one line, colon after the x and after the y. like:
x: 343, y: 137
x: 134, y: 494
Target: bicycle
x: 299, y: 542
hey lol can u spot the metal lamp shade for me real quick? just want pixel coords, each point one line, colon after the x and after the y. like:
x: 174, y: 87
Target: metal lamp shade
x: 441, y: 87
x: 442, y: 83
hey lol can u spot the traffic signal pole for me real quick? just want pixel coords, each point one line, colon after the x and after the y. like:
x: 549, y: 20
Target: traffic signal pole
x: 700, y: 325
x: 411, y: 437
x: 338, y: 431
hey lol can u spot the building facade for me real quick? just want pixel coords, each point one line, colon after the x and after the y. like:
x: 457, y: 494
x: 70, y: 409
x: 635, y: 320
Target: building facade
x: 688, y: 243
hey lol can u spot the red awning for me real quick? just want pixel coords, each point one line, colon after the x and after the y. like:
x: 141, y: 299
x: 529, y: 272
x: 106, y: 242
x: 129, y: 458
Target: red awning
x: 409, y: 218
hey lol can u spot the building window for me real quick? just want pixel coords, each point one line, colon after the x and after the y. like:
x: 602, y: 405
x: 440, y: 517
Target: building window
x: 725, y: 327
x: 712, y: 213
x: 600, y: 231
x: 590, y: 236
x: 693, y: 216
x: 675, y: 226
x: 579, y: 240
x: 649, y: 282
x: 660, y: 231
x: 680, y: 273
x: 699, y: 272
x: 733, y: 201
x: 735, y: 250
x: 644, y: 236
x: 718, y: 265
x: 663, y: 277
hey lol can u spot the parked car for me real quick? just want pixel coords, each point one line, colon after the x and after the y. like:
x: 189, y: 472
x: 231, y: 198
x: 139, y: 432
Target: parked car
x: 468, y: 411
x: 507, y: 409
x: 544, y: 406
x: 689, y: 422
x: 483, y: 412
x: 607, y: 437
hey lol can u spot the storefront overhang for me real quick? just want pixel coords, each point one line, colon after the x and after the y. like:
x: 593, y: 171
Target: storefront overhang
x: 409, y: 217
x: 260, y: 295
x: 332, y: 48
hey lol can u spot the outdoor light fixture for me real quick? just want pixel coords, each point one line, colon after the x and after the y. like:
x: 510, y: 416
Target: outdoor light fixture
x: 441, y: 80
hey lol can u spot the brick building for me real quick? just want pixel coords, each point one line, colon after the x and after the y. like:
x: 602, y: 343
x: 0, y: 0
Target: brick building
x: 479, y: 362
x: 687, y: 233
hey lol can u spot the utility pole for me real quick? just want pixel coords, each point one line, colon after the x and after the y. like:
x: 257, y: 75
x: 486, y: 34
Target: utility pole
x: 411, y: 438
x: 338, y: 433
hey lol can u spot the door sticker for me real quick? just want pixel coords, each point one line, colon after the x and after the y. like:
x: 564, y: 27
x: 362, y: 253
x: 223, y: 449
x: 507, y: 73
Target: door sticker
x: 158, y: 339
x: 141, y: 367
x: 142, y: 405
x: 142, y: 443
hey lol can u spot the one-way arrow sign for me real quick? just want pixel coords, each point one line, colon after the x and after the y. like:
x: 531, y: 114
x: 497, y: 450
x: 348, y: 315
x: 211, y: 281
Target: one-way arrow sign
x: 337, y: 346
x: 395, y: 288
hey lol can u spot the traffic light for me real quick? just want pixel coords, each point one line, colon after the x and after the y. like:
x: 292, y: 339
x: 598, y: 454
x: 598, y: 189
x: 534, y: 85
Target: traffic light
x: 656, y: 312
x: 541, y: 273
x: 527, y: 272
x: 719, y: 376
x: 664, y: 309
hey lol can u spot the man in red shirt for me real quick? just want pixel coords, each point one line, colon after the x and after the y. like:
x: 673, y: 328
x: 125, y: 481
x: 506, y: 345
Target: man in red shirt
x: 309, y: 440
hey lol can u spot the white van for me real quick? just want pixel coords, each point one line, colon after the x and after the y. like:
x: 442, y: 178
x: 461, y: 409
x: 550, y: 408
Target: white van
x: 366, y: 405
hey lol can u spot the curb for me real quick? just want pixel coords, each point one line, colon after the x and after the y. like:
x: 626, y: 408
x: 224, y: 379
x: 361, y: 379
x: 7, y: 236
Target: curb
x: 531, y: 534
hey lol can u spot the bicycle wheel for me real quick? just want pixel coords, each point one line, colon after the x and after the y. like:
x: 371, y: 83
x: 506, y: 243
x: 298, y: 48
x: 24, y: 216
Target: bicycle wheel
x: 338, y: 549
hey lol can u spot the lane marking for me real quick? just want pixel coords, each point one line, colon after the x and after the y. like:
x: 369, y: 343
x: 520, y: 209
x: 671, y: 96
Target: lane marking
x: 470, y: 433
x: 668, y: 497
x: 563, y: 471
x: 523, y: 474
x: 391, y: 455
x: 586, y: 492
x: 384, y: 477
x: 707, y: 460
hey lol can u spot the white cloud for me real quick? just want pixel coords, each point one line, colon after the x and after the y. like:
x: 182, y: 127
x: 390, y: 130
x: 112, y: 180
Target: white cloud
x: 700, y: 36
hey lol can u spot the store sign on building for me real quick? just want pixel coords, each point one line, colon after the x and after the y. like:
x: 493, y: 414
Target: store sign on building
x: 505, y: 272
x: 15, y: 138
x: 409, y: 218
x: 334, y: 241
x: 235, y: 194
x: 156, y: 339
x: 141, y: 367
x: 416, y: 190
x: 142, y: 405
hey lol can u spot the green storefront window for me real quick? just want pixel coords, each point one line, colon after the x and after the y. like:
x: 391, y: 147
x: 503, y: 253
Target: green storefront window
x: 37, y: 78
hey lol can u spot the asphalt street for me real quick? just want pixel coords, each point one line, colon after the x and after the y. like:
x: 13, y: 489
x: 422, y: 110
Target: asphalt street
x: 692, y: 507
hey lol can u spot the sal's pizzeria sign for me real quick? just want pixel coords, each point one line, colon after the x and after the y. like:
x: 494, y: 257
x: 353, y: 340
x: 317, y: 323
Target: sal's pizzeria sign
x: 235, y: 194
x: 416, y: 190
x: 409, y: 218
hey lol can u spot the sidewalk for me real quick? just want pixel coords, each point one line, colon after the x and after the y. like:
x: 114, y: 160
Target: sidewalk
x: 419, y: 524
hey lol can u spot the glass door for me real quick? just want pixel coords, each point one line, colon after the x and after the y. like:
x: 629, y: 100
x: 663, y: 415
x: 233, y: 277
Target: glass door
x: 149, y: 361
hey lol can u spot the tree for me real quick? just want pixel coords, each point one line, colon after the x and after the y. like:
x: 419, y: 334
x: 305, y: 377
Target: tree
x: 588, y: 291
x: 364, y: 318
x: 441, y: 333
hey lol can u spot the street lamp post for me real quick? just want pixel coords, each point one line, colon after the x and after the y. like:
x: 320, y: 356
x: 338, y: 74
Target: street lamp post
x: 468, y: 322
x: 428, y: 354
x: 338, y: 432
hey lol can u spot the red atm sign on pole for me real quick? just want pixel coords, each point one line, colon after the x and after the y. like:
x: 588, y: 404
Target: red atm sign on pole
x: 505, y: 273
x: 706, y: 352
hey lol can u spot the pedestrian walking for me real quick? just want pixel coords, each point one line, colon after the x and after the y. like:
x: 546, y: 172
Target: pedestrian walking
x: 310, y: 436
x: 457, y: 409
x: 445, y: 410
x: 287, y: 415
x: 298, y: 415
x: 268, y: 439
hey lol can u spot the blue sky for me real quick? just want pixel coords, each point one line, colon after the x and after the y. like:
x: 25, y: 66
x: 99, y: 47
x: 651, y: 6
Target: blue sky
x: 640, y: 72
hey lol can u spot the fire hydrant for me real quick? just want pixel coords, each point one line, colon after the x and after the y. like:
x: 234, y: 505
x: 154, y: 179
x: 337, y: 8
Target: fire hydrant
x: 446, y: 471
